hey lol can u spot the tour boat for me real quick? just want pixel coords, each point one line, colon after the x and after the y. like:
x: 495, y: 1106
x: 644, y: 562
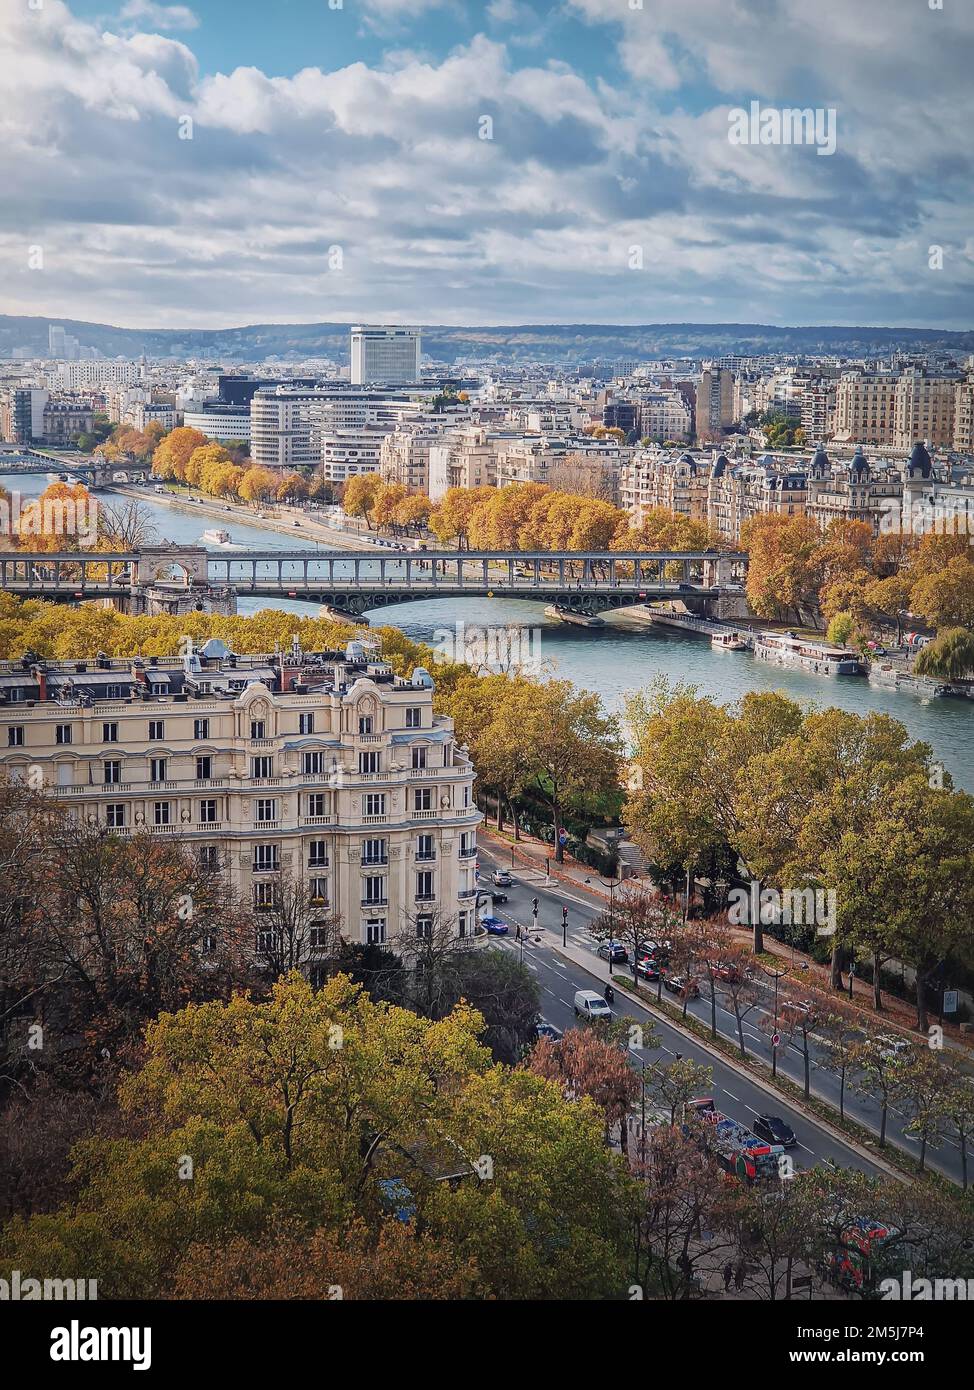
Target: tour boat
x: 787, y: 649
x: 729, y: 641
x: 216, y: 535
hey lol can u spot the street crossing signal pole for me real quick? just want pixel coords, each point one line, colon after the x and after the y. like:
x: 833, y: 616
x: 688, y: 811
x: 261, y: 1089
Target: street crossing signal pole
x: 564, y: 926
x: 534, y: 912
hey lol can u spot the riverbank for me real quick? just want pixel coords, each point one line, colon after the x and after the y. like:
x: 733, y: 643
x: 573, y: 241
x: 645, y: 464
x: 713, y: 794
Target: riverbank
x: 281, y: 520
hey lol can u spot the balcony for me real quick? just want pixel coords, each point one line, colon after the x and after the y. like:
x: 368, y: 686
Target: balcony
x: 374, y: 820
x: 274, y: 867
x: 262, y: 743
x: 267, y: 825
x: 465, y: 893
x: 422, y: 815
x: 319, y: 863
x: 425, y: 897
x: 318, y: 820
x: 375, y: 902
x: 470, y: 853
x: 375, y: 863
x: 425, y: 858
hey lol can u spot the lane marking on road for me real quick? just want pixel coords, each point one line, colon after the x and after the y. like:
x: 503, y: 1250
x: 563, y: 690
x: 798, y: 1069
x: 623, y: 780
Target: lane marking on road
x: 732, y: 1095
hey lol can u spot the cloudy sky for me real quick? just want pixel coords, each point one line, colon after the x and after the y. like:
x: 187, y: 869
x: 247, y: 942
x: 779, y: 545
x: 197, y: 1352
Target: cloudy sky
x: 337, y: 166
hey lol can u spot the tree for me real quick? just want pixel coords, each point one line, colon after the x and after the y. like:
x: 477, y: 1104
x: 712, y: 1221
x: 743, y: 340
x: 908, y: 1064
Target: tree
x: 412, y: 513
x: 203, y: 462
x: 946, y: 598
x: 451, y: 517
x: 173, y: 453
x: 361, y: 494
x: 637, y: 919
x: 925, y: 1082
x: 292, y: 488
x: 782, y: 574
x: 295, y: 929
x: 950, y: 655
x: 880, y: 1074
x: 258, y: 485
x: 839, y: 1034
x: 576, y: 748
x: 958, y: 1104
x: 583, y: 1064
x: 674, y: 1086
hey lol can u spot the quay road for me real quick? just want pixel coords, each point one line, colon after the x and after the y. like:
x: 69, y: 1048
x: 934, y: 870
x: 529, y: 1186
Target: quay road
x: 735, y: 1094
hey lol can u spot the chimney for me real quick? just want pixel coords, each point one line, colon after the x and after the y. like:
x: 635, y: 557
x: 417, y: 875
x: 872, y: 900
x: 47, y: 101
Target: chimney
x: 40, y: 675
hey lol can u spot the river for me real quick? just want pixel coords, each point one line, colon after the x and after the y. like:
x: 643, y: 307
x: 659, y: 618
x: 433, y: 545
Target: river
x: 613, y: 660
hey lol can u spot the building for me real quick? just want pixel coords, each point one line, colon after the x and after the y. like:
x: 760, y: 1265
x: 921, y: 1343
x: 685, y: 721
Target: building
x: 22, y: 413
x: 72, y: 376
x: 320, y: 767
x: 923, y: 408
x: 219, y: 421
x: 388, y: 356
x: 142, y: 413
x: 964, y: 416
x: 655, y: 480
x: 404, y: 455
x: 64, y: 418
x: 664, y: 415
x: 715, y: 403
x: 281, y: 433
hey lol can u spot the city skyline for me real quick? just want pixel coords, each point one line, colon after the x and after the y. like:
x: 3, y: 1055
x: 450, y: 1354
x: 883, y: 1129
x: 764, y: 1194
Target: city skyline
x: 411, y: 162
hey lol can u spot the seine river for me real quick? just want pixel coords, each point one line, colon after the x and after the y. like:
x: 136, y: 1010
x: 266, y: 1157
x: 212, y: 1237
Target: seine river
x: 613, y: 660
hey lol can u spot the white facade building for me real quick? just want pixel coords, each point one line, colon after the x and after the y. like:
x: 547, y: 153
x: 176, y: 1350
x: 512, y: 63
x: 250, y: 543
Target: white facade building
x: 384, y: 355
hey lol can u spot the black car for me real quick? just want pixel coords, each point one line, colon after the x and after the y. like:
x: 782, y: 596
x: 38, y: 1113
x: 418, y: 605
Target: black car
x: 615, y: 952
x: 647, y: 968
x: 773, y: 1130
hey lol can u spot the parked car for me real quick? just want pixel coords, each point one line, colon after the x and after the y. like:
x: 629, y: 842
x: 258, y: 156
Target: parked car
x: 647, y: 968
x: 683, y: 985
x: 547, y: 1030
x: 493, y: 926
x: 501, y: 878
x: 590, y: 1005
x: 615, y: 952
x: 894, y: 1049
x: 658, y: 951
x: 774, y: 1130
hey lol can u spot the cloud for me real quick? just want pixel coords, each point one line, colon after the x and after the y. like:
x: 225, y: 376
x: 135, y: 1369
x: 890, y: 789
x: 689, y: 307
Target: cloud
x: 159, y: 16
x: 388, y: 160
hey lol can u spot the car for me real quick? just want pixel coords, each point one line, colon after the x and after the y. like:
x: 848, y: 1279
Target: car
x: 658, y: 951
x: 590, y: 1005
x: 774, y: 1130
x: 894, y: 1049
x: 493, y: 926
x: 295, y: 523
x: 647, y: 968
x: 615, y: 952
x: 498, y: 897
x: 730, y: 973
x: 501, y: 878
x: 547, y: 1030
x: 684, y: 985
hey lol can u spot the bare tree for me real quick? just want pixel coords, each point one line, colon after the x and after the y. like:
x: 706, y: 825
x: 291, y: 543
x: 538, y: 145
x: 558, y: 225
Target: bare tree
x: 127, y: 524
x: 295, y: 929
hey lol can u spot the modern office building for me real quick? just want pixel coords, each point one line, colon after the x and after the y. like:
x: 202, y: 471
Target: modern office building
x: 387, y: 356
x: 715, y: 403
x: 320, y: 767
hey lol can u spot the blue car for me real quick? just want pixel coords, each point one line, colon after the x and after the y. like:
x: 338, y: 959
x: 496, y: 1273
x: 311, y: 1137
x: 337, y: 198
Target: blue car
x: 493, y: 926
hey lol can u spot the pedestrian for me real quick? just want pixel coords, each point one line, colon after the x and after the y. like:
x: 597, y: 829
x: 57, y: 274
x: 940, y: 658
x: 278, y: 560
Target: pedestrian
x: 728, y: 1276
x: 739, y: 1276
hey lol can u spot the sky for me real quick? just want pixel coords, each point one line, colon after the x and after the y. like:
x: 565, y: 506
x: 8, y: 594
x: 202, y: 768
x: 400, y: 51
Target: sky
x: 226, y: 162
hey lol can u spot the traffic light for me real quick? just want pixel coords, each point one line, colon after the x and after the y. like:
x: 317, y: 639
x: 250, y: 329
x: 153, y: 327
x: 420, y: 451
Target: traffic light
x: 564, y: 914
x: 534, y: 906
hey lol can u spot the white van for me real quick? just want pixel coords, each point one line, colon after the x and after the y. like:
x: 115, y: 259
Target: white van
x: 590, y: 1005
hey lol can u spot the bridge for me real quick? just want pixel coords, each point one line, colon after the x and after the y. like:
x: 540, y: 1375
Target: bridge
x: 585, y: 583
x: 93, y: 470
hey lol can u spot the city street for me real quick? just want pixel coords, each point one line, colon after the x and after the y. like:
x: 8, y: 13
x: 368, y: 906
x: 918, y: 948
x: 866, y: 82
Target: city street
x: 737, y: 1095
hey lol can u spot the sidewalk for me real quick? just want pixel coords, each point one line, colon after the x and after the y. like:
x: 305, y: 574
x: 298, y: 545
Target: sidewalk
x: 897, y: 1013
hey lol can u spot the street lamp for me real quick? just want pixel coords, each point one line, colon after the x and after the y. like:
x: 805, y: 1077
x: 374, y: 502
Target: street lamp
x: 775, y: 975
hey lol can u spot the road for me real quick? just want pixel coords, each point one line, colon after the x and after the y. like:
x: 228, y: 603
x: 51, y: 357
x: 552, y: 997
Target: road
x: 737, y: 1095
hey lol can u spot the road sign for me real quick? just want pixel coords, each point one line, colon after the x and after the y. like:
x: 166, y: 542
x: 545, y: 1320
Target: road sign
x: 563, y: 837
x: 950, y: 1001
x: 775, y: 1039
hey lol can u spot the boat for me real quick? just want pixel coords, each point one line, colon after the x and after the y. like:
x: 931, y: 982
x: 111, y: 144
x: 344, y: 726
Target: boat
x: 788, y: 649
x: 565, y: 615
x: 729, y: 642
x: 895, y: 678
x: 217, y: 535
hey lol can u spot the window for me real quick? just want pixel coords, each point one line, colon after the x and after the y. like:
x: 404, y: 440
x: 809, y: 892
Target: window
x: 265, y: 895
x: 318, y: 854
x: 316, y: 804
x: 114, y: 692
x: 414, y: 717
x: 306, y: 723
x: 368, y: 763
x: 115, y: 815
x: 375, y: 804
x: 422, y: 799
x: 157, y: 769
x: 312, y: 764
x: 462, y: 922
x: 162, y: 812
x: 319, y: 937
x: 266, y: 859
x: 201, y: 728
x: 17, y: 695
x: 375, y: 931
x: 466, y: 796
x: 468, y: 844
x: 209, y: 857
x: 265, y: 810
x: 373, y: 851
x: 265, y: 939
x: 262, y: 767
x: 424, y: 886
x: 62, y: 733
x: 257, y: 728
x: 318, y: 890
x: 419, y: 756
x: 424, y: 927
x: 204, y: 768
x: 157, y: 729
x: 159, y: 687
x: 109, y: 733
x: 318, y: 976
x: 15, y: 735
x: 425, y: 847
x: 374, y: 889
x: 113, y: 771
x: 207, y: 812
x: 365, y: 724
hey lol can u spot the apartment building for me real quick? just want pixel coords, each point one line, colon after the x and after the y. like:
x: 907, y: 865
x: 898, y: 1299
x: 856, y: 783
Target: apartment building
x: 964, y: 416
x: 923, y: 408
x: 715, y: 403
x: 865, y: 408
x: 321, y: 767
x: 664, y: 415
x: 653, y: 480
x: 281, y: 432
x: 404, y: 455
